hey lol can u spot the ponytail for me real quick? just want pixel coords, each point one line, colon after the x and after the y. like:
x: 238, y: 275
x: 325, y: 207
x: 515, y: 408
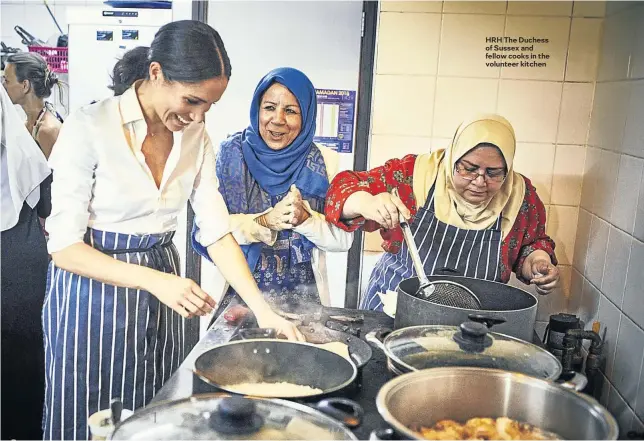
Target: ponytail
x: 132, y: 67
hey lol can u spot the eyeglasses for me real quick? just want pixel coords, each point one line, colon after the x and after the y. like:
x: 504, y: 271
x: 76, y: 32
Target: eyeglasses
x: 472, y: 173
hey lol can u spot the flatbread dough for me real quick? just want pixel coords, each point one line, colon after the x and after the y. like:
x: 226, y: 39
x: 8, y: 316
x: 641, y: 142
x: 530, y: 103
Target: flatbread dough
x: 273, y: 390
x: 337, y: 347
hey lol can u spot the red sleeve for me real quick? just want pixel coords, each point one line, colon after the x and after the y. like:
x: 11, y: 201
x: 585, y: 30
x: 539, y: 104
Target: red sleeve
x: 396, y: 173
x: 528, y: 234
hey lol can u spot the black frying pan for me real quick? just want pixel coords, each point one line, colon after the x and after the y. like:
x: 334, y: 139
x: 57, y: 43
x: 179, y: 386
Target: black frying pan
x: 316, y: 333
x: 273, y: 361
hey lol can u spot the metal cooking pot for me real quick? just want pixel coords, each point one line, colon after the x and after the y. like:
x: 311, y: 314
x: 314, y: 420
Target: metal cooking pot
x: 425, y: 397
x: 221, y: 416
x: 273, y: 361
x: 470, y: 345
x: 518, y: 308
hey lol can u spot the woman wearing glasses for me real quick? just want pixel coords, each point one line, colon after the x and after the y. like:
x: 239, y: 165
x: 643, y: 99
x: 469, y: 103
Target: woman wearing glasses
x: 470, y: 213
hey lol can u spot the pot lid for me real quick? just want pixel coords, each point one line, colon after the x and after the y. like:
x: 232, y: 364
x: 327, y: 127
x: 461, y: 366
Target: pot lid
x: 225, y: 417
x: 468, y: 345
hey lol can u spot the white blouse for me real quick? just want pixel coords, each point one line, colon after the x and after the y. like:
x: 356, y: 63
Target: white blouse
x: 101, y: 179
x: 22, y: 165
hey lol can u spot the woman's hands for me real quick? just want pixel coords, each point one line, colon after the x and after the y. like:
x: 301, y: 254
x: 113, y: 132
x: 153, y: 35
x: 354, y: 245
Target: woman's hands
x: 287, y: 213
x: 538, y: 268
x: 181, y: 294
x: 383, y: 208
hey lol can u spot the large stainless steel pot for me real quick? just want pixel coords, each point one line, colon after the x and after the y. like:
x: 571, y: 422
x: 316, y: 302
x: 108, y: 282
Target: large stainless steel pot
x: 518, y: 308
x: 425, y: 397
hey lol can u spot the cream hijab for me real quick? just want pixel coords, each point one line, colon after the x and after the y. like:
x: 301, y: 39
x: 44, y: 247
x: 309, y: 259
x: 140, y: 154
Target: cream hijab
x: 438, y: 168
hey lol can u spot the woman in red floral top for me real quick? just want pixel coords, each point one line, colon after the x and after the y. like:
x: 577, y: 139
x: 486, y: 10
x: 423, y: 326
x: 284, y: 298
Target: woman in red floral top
x: 470, y: 213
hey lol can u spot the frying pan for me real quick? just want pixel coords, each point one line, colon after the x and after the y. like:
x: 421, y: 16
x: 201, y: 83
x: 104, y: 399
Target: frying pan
x: 273, y: 361
x: 316, y: 333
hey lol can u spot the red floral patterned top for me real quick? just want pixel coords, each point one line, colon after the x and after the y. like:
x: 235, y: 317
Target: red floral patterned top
x: 528, y: 232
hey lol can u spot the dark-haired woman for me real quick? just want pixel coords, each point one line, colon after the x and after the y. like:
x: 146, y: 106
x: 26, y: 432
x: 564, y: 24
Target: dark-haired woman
x: 28, y: 81
x: 23, y: 271
x: 125, y: 168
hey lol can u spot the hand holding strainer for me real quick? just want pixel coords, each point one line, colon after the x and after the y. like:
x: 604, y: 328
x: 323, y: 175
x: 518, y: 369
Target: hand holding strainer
x: 442, y: 292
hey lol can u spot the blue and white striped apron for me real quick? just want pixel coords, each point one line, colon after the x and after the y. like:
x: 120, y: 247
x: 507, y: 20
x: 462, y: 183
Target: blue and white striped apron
x: 103, y: 341
x: 472, y: 253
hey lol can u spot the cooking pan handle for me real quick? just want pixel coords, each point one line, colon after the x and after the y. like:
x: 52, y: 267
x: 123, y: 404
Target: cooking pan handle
x: 377, y: 337
x: 487, y: 320
x: 255, y: 333
x: 344, y: 410
x: 383, y: 435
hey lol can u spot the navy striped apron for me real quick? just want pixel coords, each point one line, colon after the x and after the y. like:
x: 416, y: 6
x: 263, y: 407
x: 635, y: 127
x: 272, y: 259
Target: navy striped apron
x: 472, y: 253
x: 103, y: 341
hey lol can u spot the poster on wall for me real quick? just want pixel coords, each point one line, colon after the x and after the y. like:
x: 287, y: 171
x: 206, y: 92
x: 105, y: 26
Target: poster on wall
x: 334, y: 123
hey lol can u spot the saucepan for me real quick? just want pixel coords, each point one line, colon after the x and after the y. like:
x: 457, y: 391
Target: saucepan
x: 516, y: 308
x: 421, y: 399
x: 471, y: 344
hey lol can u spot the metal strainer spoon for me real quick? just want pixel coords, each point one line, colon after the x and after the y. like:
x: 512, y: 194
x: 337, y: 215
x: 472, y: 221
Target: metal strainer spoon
x: 442, y: 292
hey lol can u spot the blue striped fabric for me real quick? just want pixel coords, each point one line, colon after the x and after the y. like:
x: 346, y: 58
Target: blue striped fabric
x: 471, y: 253
x: 104, y: 342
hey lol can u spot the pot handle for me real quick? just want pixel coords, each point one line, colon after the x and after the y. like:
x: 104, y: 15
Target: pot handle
x: 344, y: 410
x: 255, y: 333
x: 576, y: 382
x: 382, y: 435
x: 377, y: 337
x: 487, y: 320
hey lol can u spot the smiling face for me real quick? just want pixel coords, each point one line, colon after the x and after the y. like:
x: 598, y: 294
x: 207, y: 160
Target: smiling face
x: 280, y: 117
x: 179, y: 104
x: 483, y: 161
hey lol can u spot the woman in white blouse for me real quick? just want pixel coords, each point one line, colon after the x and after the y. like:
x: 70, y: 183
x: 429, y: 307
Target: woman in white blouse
x: 123, y: 170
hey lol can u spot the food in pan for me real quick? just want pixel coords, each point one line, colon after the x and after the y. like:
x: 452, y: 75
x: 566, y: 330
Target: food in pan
x: 484, y: 429
x: 337, y: 347
x: 278, y: 390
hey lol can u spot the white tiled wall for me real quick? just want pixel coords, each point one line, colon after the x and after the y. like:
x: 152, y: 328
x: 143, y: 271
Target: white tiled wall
x: 608, y: 261
x: 431, y: 74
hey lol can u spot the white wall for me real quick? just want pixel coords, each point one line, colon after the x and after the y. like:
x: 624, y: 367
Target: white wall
x: 321, y: 38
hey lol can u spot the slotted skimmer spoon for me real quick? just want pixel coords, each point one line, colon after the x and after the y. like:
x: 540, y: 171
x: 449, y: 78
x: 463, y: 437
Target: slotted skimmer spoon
x: 442, y: 292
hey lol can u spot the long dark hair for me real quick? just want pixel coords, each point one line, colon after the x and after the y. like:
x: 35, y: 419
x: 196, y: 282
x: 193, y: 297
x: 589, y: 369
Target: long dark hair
x: 33, y: 67
x: 188, y: 51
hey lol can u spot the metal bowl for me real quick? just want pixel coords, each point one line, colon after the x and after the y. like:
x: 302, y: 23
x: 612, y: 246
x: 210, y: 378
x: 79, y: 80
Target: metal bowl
x: 425, y: 397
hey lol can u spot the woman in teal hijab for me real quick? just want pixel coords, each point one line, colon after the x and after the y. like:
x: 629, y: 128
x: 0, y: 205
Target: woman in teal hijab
x: 274, y: 180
